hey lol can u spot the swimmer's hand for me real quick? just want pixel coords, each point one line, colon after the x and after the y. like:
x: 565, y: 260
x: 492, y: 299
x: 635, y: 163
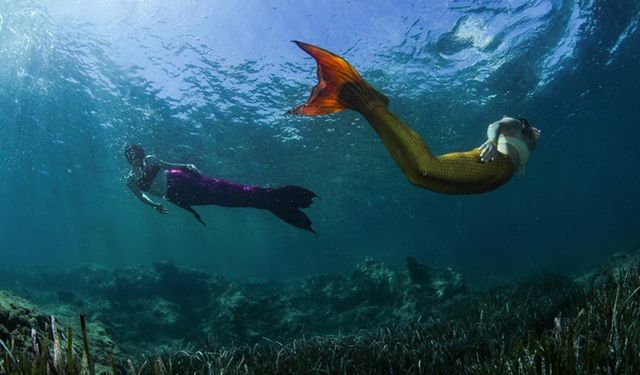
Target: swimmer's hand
x: 488, y: 152
x: 160, y: 208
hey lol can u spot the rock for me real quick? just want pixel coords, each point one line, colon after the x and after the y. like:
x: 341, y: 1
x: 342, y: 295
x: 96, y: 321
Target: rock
x: 376, y: 283
x: 187, y: 288
x: 418, y: 272
x: 616, y: 266
x: 147, y: 307
x: 433, y: 283
x: 18, y: 317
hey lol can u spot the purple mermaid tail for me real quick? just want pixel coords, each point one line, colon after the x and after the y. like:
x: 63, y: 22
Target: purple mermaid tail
x: 187, y: 189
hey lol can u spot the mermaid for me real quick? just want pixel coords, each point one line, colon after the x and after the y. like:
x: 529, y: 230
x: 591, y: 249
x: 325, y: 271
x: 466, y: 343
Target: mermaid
x: 485, y: 168
x: 184, y: 186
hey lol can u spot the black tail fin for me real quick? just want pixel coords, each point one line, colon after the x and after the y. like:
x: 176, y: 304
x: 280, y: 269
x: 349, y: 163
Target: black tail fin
x: 286, y: 202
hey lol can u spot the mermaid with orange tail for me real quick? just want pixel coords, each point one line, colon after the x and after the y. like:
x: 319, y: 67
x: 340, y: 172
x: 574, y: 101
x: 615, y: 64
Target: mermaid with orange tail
x: 485, y: 168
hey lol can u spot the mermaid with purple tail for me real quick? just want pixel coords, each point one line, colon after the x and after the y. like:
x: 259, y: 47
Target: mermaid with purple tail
x: 183, y: 185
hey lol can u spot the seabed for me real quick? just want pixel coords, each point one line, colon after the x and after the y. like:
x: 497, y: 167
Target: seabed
x: 165, y: 319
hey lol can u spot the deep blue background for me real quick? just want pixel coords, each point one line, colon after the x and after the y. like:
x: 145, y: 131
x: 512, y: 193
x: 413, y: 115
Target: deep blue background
x: 209, y: 84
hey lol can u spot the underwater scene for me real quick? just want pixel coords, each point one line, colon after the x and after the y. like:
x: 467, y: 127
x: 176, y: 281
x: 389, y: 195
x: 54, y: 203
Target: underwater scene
x: 319, y: 187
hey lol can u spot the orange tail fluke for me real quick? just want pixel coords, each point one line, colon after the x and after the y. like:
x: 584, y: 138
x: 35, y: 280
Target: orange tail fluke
x: 339, y: 85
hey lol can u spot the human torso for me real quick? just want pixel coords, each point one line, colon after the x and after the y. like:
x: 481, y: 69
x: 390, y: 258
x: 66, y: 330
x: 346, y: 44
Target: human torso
x: 513, y: 143
x: 151, y: 178
x: 516, y: 148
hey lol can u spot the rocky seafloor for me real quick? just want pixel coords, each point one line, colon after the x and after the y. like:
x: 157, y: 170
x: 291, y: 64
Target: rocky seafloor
x: 421, y: 319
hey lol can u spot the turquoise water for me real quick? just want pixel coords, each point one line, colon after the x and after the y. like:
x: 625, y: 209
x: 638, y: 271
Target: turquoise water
x: 208, y: 83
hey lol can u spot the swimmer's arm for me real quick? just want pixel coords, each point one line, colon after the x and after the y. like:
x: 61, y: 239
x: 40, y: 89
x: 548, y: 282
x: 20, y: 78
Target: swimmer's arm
x: 165, y: 165
x: 131, y: 184
x: 507, y: 126
x: 489, y: 149
x: 493, y: 133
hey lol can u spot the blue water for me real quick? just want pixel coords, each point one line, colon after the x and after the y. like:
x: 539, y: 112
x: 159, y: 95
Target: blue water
x: 209, y: 82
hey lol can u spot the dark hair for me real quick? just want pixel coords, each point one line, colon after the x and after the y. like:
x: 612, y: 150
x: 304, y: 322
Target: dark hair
x: 133, y: 152
x: 524, y: 121
x: 527, y: 127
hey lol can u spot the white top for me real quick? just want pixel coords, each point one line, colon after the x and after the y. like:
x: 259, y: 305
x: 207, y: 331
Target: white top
x: 519, y: 145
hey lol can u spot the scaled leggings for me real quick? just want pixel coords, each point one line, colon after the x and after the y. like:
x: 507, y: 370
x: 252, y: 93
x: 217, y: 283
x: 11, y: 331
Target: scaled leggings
x: 189, y: 189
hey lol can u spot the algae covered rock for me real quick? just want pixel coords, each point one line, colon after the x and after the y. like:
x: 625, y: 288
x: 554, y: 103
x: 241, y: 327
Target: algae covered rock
x: 17, y: 318
x: 443, y: 282
x: 25, y: 329
x: 374, y: 295
x: 183, y: 286
x: 616, y: 266
x: 247, y: 312
x: 165, y: 304
x: 376, y: 283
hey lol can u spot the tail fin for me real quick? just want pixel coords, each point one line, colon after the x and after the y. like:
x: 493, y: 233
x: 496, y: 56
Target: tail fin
x: 286, y: 203
x: 339, y: 86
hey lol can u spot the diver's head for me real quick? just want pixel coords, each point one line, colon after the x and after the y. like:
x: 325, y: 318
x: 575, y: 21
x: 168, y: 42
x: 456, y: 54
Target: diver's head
x: 530, y: 132
x: 134, y: 154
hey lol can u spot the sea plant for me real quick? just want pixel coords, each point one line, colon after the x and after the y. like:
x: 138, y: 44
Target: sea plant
x: 544, y: 325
